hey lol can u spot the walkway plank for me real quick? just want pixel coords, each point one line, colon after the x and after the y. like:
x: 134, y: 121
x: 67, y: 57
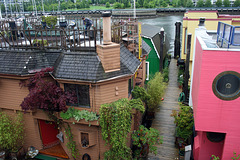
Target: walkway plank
x: 164, y: 122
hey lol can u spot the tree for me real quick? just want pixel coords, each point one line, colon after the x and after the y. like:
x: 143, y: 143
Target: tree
x: 146, y: 4
x: 200, y: 3
x: 208, y: 3
x: 164, y: 4
x: 107, y: 5
x: 226, y: 3
x: 189, y: 4
x: 219, y: 3
x: 236, y: 3
x: 45, y: 94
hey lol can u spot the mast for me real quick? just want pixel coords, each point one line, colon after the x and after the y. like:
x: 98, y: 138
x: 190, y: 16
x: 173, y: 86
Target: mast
x: 134, y: 9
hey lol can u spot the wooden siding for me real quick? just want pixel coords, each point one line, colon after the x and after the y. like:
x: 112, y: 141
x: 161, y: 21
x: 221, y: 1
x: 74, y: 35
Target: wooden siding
x: 11, y: 94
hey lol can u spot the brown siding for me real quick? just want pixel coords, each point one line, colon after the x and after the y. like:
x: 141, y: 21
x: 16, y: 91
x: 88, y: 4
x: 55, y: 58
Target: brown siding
x: 11, y: 94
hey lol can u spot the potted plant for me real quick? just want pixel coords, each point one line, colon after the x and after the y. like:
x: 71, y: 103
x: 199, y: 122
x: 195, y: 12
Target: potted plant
x: 144, y: 140
x: 12, y: 134
x: 184, y: 124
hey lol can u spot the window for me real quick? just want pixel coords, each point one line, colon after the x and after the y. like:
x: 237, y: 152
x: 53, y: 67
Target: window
x: 185, y: 42
x: 130, y: 86
x: 80, y: 92
x: 226, y: 85
x: 147, y: 71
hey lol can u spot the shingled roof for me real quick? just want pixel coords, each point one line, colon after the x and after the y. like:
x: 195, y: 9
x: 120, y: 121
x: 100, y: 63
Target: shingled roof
x: 25, y: 62
x: 86, y: 66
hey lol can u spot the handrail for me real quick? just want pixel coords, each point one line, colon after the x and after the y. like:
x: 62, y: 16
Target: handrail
x: 228, y: 33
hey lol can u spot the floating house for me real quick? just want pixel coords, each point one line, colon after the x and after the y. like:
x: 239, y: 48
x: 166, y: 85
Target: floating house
x: 190, y: 22
x: 156, y: 59
x: 215, y: 91
x: 101, y: 76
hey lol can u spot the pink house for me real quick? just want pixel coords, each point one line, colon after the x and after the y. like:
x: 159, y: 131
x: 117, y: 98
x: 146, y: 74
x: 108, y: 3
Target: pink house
x: 214, y: 95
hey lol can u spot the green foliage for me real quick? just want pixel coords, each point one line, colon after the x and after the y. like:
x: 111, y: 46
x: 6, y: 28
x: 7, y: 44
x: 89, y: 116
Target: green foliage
x: 200, y: 3
x: 235, y: 156
x: 236, y: 3
x: 155, y: 88
x: 115, y: 121
x: 140, y: 92
x: 215, y: 157
x: 11, y: 132
x: 118, y: 5
x: 79, y: 115
x: 208, y: 3
x: 180, y: 76
x: 137, y: 104
x: 184, y: 121
x: 219, y: 3
x: 189, y: 3
x: 107, y: 5
x: 71, y: 144
x: 145, y: 139
x: 226, y: 3
x: 165, y: 74
x: 50, y: 20
x: 39, y: 42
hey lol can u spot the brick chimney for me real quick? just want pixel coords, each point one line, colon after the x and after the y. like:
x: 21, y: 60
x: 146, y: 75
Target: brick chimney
x: 108, y: 52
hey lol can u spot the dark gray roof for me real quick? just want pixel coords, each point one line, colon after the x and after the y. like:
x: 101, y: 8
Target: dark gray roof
x: 25, y: 62
x: 145, y: 47
x: 86, y: 66
x: 150, y: 31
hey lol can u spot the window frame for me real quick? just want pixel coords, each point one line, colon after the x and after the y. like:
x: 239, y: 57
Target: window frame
x: 77, y: 96
x: 147, y: 70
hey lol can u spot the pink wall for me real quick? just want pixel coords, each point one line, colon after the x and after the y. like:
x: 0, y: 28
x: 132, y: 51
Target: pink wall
x: 211, y: 113
x: 207, y: 148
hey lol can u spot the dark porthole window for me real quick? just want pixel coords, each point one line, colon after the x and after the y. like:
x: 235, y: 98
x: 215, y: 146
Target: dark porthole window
x: 215, y: 136
x: 226, y: 85
x: 86, y: 157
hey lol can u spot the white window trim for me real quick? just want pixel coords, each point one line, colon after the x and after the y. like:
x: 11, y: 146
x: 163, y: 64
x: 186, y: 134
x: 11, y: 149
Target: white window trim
x: 147, y: 70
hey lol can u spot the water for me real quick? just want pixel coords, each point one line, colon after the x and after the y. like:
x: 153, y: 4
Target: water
x: 167, y: 21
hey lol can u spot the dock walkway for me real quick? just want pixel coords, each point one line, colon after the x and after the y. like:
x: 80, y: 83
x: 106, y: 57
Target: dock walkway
x: 164, y: 122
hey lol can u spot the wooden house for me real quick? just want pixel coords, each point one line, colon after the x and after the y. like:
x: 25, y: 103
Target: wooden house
x: 100, y: 76
x: 155, y: 62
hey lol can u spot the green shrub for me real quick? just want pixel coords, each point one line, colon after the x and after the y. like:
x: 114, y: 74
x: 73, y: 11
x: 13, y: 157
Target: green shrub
x: 107, y: 5
x: 11, y: 132
x: 140, y: 92
x: 184, y: 121
x: 155, y: 88
x: 145, y: 139
x: 165, y: 74
x: 39, y: 42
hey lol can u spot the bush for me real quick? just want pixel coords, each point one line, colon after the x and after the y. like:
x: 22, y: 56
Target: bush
x: 107, y: 5
x: 140, y: 92
x: 145, y: 139
x: 11, y: 132
x: 50, y: 20
x: 165, y: 74
x: 184, y: 122
x: 155, y: 88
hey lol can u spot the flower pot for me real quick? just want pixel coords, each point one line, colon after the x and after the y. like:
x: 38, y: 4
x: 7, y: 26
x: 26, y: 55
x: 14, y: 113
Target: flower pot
x: 17, y: 155
x: 2, y: 155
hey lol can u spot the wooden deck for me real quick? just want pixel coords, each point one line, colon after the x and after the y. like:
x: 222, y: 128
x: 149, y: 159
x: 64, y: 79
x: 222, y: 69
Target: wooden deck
x: 164, y: 122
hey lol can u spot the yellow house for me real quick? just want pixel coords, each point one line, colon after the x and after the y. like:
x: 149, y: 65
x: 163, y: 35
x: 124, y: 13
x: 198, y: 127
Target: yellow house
x: 191, y: 21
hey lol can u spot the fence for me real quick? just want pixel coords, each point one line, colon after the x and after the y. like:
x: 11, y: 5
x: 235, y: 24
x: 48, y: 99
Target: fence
x: 228, y: 34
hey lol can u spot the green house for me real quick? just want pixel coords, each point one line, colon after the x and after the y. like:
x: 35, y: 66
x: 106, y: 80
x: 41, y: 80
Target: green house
x: 154, y: 63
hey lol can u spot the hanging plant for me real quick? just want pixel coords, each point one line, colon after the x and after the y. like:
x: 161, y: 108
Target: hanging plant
x: 115, y: 121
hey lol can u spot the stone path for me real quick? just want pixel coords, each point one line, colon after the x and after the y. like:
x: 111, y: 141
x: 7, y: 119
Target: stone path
x: 164, y: 122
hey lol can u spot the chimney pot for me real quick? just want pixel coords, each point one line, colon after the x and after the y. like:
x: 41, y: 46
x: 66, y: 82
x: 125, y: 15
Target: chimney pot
x: 106, y: 28
x: 201, y: 22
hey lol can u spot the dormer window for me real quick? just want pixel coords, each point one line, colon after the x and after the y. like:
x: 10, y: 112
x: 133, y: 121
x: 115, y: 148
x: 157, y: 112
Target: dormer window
x: 80, y: 93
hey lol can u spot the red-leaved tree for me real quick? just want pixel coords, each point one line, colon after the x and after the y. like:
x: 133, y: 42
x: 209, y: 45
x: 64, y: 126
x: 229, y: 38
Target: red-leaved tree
x: 45, y: 94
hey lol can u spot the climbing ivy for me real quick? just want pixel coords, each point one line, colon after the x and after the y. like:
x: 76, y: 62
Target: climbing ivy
x: 115, y: 122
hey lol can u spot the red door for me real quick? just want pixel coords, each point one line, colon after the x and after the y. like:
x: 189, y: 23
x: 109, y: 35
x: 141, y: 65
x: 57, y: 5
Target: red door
x: 48, y: 132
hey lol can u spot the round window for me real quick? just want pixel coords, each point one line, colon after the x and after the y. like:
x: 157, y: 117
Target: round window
x: 226, y: 85
x: 215, y: 137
